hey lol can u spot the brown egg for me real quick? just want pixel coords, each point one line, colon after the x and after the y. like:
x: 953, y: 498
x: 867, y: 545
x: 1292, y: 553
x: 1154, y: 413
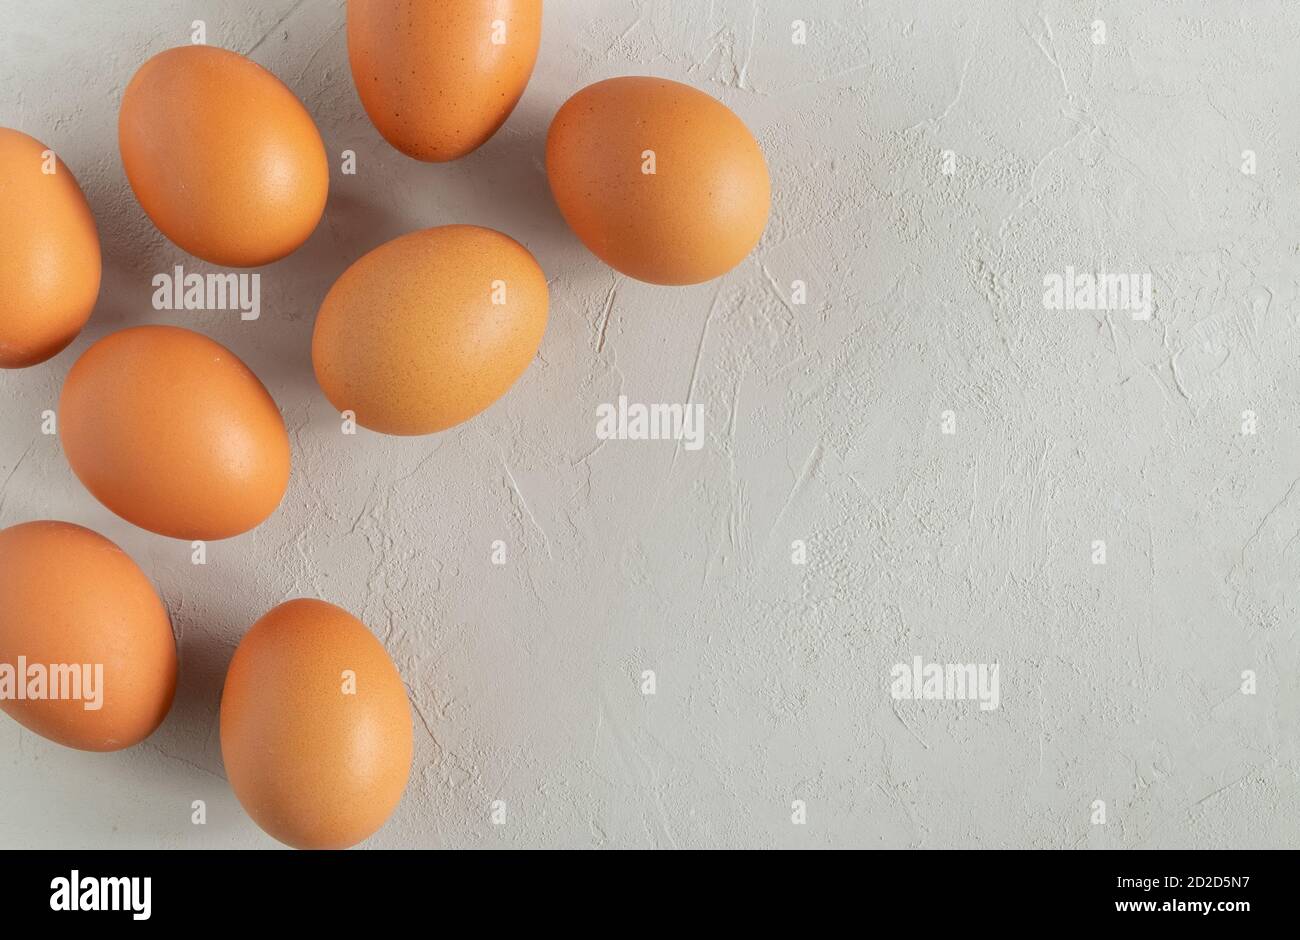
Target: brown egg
x: 315, y: 727
x: 659, y: 180
x: 49, y: 253
x: 172, y: 432
x: 222, y: 156
x: 438, y: 79
x: 77, y: 614
x: 429, y: 329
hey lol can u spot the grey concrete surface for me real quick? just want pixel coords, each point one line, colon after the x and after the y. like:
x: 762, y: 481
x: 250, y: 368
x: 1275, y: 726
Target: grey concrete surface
x: 932, y: 161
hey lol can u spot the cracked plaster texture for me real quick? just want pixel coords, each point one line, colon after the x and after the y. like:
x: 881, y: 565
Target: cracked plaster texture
x: 1119, y: 682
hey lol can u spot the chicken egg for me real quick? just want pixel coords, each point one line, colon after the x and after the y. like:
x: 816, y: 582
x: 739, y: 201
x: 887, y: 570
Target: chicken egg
x: 439, y: 79
x: 661, y: 181
x: 315, y: 727
x: 222, y: 156
x: 49, y: 253
x: 87, y: 656
x: 171, y: 431
x: 429, y: 329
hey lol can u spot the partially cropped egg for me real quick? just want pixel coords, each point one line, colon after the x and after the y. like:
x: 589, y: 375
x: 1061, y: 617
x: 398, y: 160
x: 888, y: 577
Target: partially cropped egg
x: 439, y: 79
x: 49, y: 253
x: 171, y: 431
x: 315, y: 727
x: 223, y: 157
x: 429, y: 329
x: 87, y: 656
x: 658, y: 179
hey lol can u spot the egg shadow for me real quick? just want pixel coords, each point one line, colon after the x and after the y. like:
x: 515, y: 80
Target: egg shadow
x: 294, y: 287
x: 188, y: 742
x: 132, y: 251
x: 191, y: 731
x: 505, y: 184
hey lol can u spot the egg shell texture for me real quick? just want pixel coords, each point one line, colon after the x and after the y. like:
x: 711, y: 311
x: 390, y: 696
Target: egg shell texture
x: 171, y: 431
x: 314, y: 766
x: 410, y: 338
x: 439, y: 79
x: 70, y: 597
x: 222, y: 156
x: 49, y: 253
x: 700, y: 212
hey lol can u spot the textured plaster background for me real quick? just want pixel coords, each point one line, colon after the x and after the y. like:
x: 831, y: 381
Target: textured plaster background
x: 823, y: 423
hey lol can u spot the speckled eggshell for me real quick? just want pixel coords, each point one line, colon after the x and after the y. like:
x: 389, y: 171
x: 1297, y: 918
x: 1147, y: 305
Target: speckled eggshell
x: 223, y: 157
x: 49, y: 253
x: 171, y: 431
x: 410, y: 339
x: 430, y: 75
x: 69, y: 596
x: 314, y: 766
x: 696, y: 217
